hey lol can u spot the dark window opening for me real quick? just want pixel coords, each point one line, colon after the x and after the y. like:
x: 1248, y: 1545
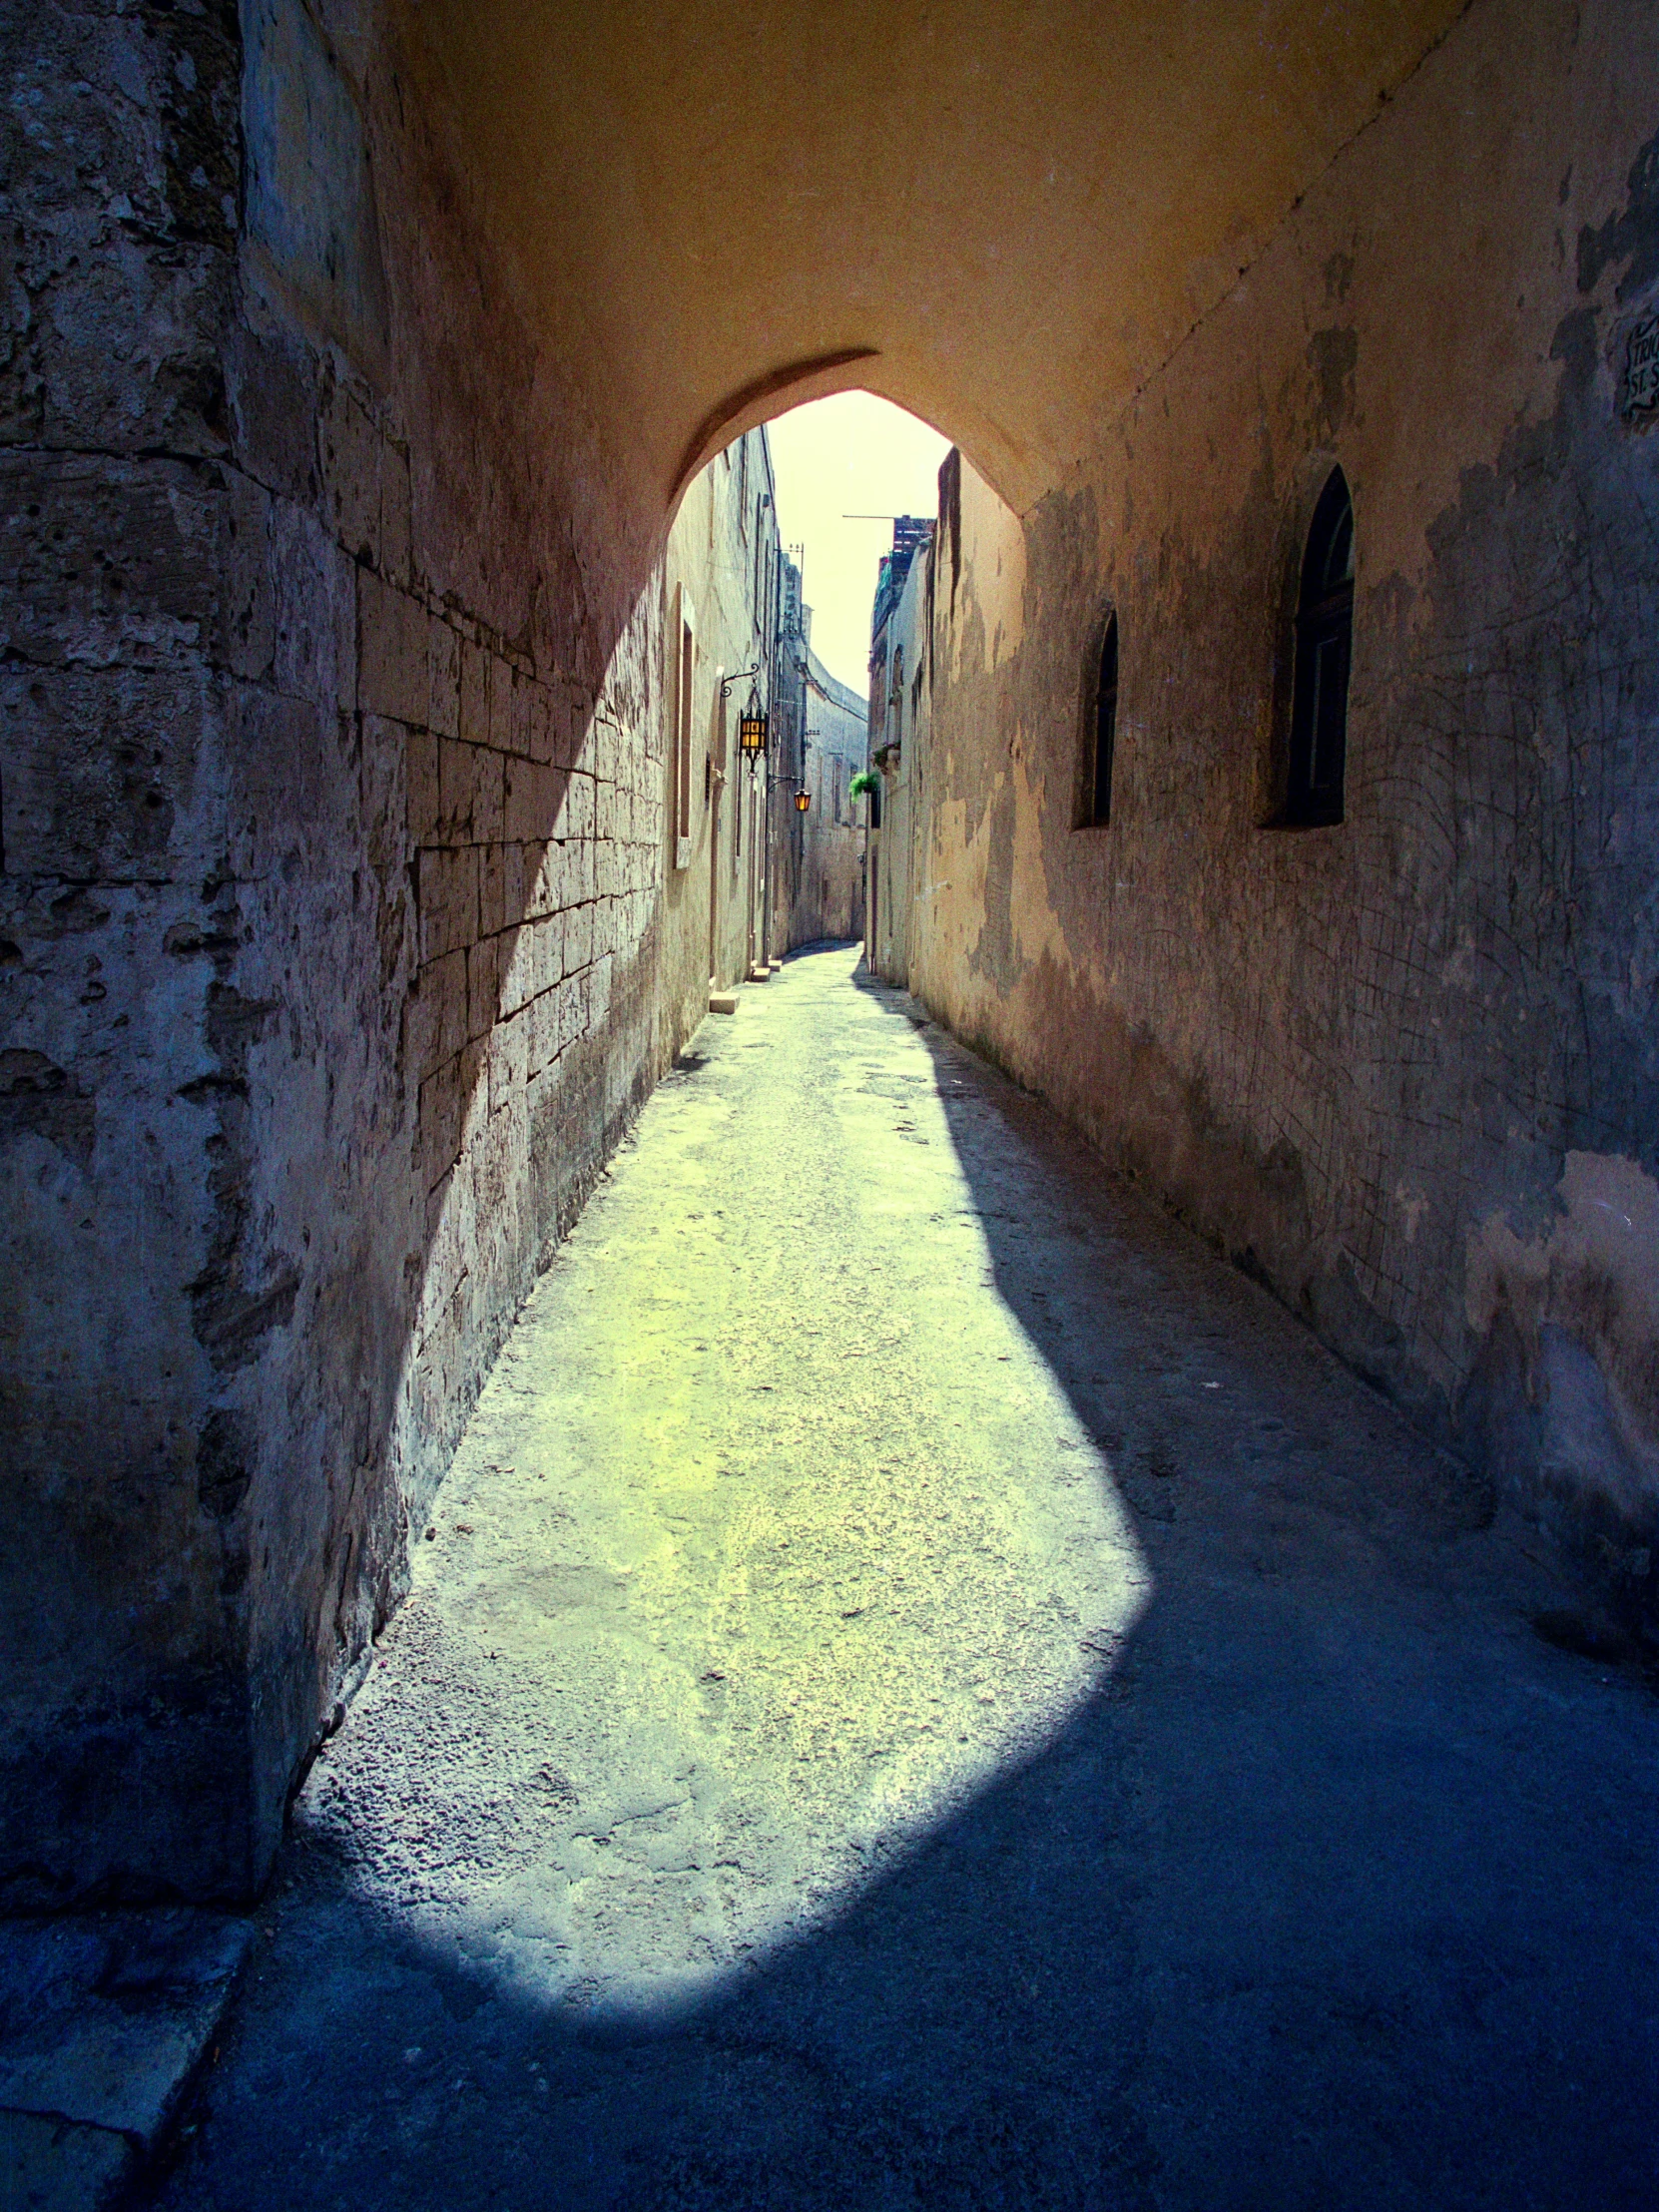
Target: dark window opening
x: 1324, y: 651
x: 1105, y: 726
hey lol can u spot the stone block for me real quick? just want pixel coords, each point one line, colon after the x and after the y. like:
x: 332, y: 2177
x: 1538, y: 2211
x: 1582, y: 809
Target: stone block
x: 439, y: 1126
x: 105, y: 2021
x: 349, y: 448
x: 396, y: 521
x: 484, y: 986
x: 488, y: 796
x: 64, y: 387
x: 510, y: 1059
x: 578, y: 945
x: 544, y: 1035
x: 456, y: 785
x: 549, y: 865
x: 315, y: 645
x: 425, y: 783
x: 448, y: 893
x: 723, y: 1002
x: 567, y: 729
x: 512, y: 734
x: 515, y: 958
x: 521, y: 884
x: 541, y: 732
x: 548, y: 936
x: 494, y: 912
x: 48, y: 2164
x: 383, y: 798
x: 107, y: 562
x: 109, y: 773
x: 532, y: 798
x: 475, y: 708
x: 437, y: 1022
x: 271, y: 387
x: 604, y: 927
x: 392, y: 639
x: 291, y: 780
x: 443, y: 664
x: 577, y: 820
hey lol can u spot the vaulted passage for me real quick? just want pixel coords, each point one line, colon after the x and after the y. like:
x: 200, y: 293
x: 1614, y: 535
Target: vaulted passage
x: 925, y: 1687
x: 416, y: 754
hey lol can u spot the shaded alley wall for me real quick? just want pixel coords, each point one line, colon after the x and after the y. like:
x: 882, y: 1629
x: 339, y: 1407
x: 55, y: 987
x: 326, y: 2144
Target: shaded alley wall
x: 1405, y: 1069
x: 334, y: 950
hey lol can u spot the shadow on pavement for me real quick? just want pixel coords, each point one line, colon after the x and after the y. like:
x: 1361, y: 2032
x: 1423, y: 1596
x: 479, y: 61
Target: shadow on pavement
x: 1338, y: 1892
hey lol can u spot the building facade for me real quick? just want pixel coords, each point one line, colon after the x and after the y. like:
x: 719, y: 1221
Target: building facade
x: 819, y: 748
x: 900, y: 697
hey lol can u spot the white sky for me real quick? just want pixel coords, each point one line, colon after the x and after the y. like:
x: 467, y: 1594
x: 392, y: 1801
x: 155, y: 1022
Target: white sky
x: 853, y: 454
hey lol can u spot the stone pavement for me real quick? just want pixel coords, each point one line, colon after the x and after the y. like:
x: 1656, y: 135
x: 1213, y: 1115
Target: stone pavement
x: 927, y: 1689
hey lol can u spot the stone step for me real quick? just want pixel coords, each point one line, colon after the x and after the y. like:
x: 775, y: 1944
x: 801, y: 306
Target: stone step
x: 106, y: 2019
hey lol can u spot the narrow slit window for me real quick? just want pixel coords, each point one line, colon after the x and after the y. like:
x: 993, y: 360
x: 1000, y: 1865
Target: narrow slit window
x: 1105, y: 727
x: 1323, y: 652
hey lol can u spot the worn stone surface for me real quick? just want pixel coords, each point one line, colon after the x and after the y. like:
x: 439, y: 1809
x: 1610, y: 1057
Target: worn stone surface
x: 1403, y: 1069
x: 53, y: 2165
x: 926, y: 1686
x: 104, y: 2023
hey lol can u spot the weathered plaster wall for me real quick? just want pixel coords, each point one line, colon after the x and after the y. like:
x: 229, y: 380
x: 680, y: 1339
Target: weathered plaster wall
x: 1406, y: 1069
x: 332, y: 956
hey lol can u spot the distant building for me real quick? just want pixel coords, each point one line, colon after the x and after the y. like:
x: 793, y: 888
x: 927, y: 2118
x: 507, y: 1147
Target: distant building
x: 900, y: 700
x: 819, y: 745
x: 909, y: 534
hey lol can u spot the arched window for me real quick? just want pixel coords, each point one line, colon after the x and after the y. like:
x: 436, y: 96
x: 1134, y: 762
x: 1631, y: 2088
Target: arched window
x: 1105, y: 725
x: 1324, y: 649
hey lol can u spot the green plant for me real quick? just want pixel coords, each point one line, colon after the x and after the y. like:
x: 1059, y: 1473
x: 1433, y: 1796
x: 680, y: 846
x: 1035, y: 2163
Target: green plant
x: 866, y: 780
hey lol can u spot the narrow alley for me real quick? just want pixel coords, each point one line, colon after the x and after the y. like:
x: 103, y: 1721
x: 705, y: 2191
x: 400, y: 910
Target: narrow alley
x: 923, y: 1687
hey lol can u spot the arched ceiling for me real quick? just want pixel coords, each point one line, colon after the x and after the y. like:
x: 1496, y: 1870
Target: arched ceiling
x: 1002, y: 216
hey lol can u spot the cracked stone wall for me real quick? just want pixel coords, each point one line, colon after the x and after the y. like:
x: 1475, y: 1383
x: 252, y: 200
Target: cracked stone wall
x: 334, y: 954
x: 1404, y: 1070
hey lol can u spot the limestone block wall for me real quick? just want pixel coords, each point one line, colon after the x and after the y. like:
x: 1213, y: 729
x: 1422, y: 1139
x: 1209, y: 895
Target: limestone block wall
x: 335, y: 953
x: 1406, y: 1069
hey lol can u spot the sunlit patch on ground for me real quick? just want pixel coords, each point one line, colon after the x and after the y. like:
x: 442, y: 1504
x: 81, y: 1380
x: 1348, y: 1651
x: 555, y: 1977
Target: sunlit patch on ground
x: 773, y: 1541
x: 791, y: 1784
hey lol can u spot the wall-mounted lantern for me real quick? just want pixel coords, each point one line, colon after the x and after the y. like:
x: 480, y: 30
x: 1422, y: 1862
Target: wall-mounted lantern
x: 752, y: 734
x: 802, y: 800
